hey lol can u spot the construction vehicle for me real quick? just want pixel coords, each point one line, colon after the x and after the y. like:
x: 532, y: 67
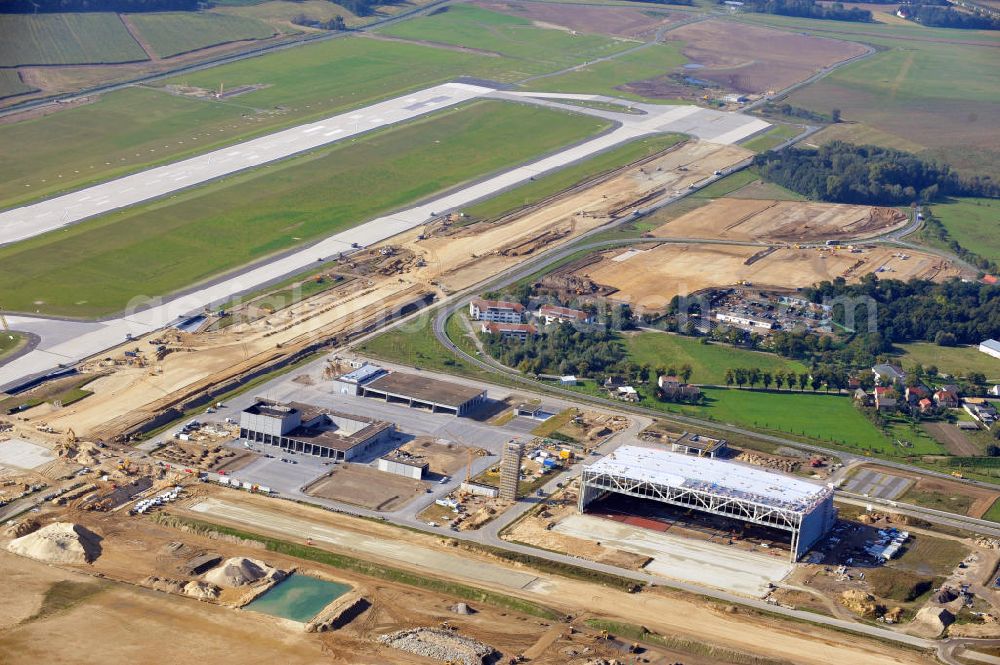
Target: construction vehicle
x: 958, y: 474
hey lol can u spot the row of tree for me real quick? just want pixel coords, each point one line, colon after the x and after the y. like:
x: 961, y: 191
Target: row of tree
x: 808, y: 9
x: 847, y: 173
x: 828, y: 376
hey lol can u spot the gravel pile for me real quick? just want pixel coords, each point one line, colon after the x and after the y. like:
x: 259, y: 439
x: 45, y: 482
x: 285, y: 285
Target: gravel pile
x: 439, y: 645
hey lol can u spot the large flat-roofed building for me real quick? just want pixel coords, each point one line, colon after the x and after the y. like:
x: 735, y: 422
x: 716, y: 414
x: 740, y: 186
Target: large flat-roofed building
x: 303, y: 428
x: 350, y: 383
x: 743, y: 493
x: 424, y: 392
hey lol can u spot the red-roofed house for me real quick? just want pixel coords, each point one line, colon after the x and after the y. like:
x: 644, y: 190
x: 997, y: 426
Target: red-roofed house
x: 925, y: 405
x: 946, y: 399
x: 519, y: 331
x: 555, y: 313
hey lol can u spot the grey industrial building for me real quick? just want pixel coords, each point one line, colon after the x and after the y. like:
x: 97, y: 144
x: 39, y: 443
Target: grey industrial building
x: 302, y: 428
x: 411, y: 389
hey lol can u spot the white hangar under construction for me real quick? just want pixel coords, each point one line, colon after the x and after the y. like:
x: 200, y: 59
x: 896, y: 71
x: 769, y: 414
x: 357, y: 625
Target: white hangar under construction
x: 747, y: 494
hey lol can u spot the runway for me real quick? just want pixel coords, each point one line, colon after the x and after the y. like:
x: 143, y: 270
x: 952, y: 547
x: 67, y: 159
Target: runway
x: 35, y: 219
x: 68, y: 342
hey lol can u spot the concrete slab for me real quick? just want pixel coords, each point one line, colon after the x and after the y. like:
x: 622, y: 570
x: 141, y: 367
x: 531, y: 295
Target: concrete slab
x: 877, y: 484
x: 684, y: 559
x: 24, y: 454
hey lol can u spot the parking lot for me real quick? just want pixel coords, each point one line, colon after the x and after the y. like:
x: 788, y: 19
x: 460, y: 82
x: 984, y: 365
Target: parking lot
x: 877, y: 484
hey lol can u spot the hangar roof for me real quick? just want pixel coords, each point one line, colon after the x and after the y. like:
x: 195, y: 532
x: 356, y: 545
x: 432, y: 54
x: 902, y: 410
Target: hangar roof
x: 710, y: 475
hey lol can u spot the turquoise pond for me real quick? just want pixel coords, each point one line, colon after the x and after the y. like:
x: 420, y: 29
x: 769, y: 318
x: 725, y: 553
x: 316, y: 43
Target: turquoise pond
x: 298, y: 598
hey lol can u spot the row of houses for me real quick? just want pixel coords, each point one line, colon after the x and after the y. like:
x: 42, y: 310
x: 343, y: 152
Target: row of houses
x: 888, y: 397
x: 507, y: 319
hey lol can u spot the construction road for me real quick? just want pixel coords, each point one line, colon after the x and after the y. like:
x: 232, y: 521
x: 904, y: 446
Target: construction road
x: 62, y: 343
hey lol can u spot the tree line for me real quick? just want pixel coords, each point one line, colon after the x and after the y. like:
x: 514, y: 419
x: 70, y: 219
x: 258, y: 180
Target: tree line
x: 939, y: 14
x: 865, y: 174
x: 919, y: 310
x: 808, y: 9
x: 561, y: 349
x: 828, y: 376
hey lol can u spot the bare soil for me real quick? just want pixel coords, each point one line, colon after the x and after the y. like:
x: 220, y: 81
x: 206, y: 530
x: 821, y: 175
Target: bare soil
x: 953, y: 439
x: 650, y: 278
x: 785, y: 221
x: 753, y: 59
x: 620, y: 21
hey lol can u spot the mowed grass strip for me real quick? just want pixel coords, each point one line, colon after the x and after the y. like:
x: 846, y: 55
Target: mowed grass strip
x: 536, y: 49
x: 549, y: 185
x: 96, y: 267
x: 709, y: 362
x: 608, y: 76
x: 172, y: 33
x: 11, y: 84
x: 66, y: 39
x: 128, y: 130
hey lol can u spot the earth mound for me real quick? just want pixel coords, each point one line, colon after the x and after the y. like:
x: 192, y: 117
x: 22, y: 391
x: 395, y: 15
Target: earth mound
x: 60, y: 542
x: 240, y: 571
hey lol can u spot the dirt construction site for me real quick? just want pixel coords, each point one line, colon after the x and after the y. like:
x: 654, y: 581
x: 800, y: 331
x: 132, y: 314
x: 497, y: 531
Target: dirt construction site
x: 171, y: 574
x: 147, y: 377
x: 649, y: 278
x: 782, y: 221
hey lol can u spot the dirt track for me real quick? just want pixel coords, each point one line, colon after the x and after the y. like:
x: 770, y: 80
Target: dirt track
x: 620, y: 21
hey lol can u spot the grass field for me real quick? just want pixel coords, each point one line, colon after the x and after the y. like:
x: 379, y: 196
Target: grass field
x: 11, y: 84
x: 9, y: 342
x: 993, y: 514
x: 65, y: 39
x: 605, y: 77
x: 907, y: 91
x: 131, y: 129
x: 973, y: 223
x: 96, y: 267
x: 957, y: 503
x: 957, y: 360
x: 554, y: 183
x: 536, y: 50
x: 709, y: 362
x: 172, y: 33
x: 771, y: 138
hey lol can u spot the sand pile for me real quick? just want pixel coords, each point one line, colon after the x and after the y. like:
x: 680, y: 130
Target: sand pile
x: 860, y: 602
x: 60, y: 542
x: 240, y: 571
x: 201, y: 590
x: 163, y: 584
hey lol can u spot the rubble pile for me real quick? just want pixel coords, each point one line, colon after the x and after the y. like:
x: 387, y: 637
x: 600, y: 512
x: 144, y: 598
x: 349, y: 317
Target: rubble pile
x: 439, y: 645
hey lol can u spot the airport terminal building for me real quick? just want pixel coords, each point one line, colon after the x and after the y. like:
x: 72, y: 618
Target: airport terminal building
x: 302, y: 428
x: 805, y: 509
